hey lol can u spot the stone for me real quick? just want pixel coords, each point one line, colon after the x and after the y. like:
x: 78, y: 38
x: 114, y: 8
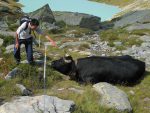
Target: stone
x: 1, y: 42
x: 117, y: 43
x: 38, y: 104
x: 112, y: 97
x: 78, y: 91
x: 1, y: 59
x: 24, y: 90
x: 72, y: 44
x: 83, y: 20
x: 12, y: 73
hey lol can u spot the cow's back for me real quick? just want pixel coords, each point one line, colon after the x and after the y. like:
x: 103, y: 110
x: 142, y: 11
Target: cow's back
x: 110, y: 69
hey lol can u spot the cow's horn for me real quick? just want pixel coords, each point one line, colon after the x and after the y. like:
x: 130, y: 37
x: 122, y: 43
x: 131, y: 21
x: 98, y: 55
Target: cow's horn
x: 67, y: 55
x: 67, y: 61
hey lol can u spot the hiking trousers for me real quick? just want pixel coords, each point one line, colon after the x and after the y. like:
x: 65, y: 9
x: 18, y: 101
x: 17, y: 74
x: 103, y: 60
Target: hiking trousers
x: 28, y: 47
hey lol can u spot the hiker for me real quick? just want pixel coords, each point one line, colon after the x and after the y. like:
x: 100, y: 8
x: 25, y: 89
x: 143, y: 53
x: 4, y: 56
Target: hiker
x: 23, y: 36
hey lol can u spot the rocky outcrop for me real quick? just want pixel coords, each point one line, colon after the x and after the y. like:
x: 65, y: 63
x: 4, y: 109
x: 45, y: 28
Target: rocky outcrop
x: 7, y: 7
x: 134, y: 17
x: 113, y: 97
x: 141, y: 52
x: 83, y: 20
x: 12, y: 73
x: 138, y: 26
x: 38, y: 104
x: 44, y: 14
x: 91, y: 23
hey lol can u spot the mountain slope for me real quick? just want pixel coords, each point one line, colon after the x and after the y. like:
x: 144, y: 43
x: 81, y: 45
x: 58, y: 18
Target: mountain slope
x: 127, y: 5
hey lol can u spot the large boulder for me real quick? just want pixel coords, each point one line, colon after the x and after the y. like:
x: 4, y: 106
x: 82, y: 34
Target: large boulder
x: 112, y: 97
x: 83, y: 20
x: 138, y: 26
x: 38, y: 104
x: 91, y: 23
x: 44, y: 14
x: 140, y: 16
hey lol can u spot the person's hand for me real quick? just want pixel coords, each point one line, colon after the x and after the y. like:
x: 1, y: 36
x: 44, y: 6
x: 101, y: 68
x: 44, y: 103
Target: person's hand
x: 17, y: 45
x: 54, y: 44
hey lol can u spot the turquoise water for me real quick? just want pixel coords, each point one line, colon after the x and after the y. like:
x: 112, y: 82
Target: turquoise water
x: 82, y: 6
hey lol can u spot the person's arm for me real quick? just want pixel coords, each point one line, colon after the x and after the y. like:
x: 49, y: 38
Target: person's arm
x: 52, y: 41
x: 39, y: 31
x: 22, y: 27
x: 17, y: 41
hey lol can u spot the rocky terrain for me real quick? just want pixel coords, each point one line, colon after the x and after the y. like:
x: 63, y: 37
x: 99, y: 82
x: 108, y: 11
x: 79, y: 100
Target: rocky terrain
x: 22, y: 88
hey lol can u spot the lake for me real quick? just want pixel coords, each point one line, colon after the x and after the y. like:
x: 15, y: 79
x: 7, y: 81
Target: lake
x: 82, y: 6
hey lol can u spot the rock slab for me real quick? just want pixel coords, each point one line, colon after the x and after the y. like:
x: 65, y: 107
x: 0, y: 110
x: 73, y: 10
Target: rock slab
x: 38, y: 104
x: 112, y: 97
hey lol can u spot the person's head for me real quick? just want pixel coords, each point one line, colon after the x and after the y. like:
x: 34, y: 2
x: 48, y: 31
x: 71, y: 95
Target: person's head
x: 34, y: 23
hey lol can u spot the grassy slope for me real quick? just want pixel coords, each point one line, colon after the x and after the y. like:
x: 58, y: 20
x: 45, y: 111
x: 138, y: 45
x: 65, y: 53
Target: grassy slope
x: 85, y: 103
x: 120, y: 3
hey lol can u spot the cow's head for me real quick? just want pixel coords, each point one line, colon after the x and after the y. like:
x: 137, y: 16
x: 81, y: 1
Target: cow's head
x: 63, y: 65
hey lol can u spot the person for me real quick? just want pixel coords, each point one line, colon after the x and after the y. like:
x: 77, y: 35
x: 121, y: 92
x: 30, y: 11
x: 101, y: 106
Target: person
x: 23, y: 36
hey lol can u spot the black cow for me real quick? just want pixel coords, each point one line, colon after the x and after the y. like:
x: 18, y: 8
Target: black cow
x: 113, y: 69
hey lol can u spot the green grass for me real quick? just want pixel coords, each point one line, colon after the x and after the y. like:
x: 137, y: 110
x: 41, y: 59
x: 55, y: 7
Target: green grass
x: 121, y: 35
x: 8, y: 40
x: 141, y: 32
x: 85, y: 103
x: 88, y: 102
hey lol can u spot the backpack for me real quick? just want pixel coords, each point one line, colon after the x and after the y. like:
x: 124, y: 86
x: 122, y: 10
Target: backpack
x: 25, y: 19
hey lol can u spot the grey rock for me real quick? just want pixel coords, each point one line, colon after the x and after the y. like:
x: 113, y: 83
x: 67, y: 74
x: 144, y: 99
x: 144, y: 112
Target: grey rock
x: 37, y: 62
x: 10, y: 48
x: 24, y: 90
x: 112, y: 97
x: 43, y: 14
x: 117, y: 43
x: 132, y: 92
x: 145, y: 38
x: 38, y: 104
x: 83, y: 20
x: 7, y: 33
x: 72, y: 44
x: 1, y: 42
x: 12, y: 73
x: 91, y: 23
x: 49, y: 26
x: 78, y: 91
x: 147, y: 99
x: 37, y: 55
x: 140, y: 16
x: 138, y: 26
